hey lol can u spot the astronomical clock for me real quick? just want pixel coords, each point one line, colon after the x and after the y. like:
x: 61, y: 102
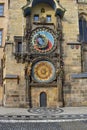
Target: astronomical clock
x: 43, y: 71
x: 42, y: 46
x: 43, y: 56
x: 42, y: 40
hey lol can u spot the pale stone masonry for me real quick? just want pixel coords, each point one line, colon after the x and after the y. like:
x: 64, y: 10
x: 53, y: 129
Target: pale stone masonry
x: 14, y: 87
x: 3, y: 28
x: 16, y: 23
x: 18, y: 90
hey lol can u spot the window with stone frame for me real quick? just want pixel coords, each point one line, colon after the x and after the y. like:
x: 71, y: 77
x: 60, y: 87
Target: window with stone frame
x: 18, y: 43
x: 48, y: 18
x: 18, y: 46
x: 36, y: 18
x: 82, y: 29
x: 1, y: 9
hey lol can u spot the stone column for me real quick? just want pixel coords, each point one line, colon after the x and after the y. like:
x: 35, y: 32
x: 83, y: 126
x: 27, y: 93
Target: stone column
x: 60, y: 95
x: 28, y: 80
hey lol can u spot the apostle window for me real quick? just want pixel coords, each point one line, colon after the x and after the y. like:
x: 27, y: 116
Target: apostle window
x: 48, y: 18
x: 36, y: 17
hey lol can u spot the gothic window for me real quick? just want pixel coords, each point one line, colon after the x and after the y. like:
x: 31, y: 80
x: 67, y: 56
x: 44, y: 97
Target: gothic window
x: 1, y: 9
x: 82, y: 30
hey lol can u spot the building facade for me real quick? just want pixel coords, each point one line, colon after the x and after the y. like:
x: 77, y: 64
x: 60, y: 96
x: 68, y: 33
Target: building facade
x: 44, y: 61
x: 3, y: 34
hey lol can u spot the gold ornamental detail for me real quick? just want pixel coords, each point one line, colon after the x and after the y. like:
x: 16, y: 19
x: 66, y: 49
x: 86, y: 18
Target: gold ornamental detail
x: 43, y: 70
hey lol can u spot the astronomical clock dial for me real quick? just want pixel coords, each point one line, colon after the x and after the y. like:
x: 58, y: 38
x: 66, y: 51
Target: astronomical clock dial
x: 43, y: 71
x: 43, y: 40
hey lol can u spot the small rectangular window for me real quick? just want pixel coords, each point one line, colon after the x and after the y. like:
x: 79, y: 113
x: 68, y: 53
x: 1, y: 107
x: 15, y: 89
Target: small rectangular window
x: 19, y: 47
x: 1, y: 9
x: 36, y: 17
x: 0, y: 37
x: 48, y: 18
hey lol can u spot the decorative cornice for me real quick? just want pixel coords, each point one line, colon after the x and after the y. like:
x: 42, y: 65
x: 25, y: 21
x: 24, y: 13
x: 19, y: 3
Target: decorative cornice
x: 59, y: 10
x: 10, y: 76
x: 74, y: 43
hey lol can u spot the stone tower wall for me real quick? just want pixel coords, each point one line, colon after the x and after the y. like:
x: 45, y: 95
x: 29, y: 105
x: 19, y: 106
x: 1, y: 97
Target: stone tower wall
x: 3, y: 27
x: 16, y: 20
x: 14, y: 87
x: 74, y: 90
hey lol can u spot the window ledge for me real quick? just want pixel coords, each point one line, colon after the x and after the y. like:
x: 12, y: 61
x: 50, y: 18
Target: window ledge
x: 10, y: 76
x: 2, y: 16
x: 43, y: 23
x: 79, y: 76
x: 82, y: 2
x: 74, y: 43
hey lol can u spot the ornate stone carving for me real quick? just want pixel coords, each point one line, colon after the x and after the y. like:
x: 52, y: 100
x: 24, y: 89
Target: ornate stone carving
x: 29, y: 1
x: 28, y: 68
x: 43, y: 71
x: 57, y: 1
x: 59, y: 23
x: 60, y: 72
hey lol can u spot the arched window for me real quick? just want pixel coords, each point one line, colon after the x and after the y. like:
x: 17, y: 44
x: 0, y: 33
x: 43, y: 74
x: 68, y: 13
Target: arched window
x: 82, y: 30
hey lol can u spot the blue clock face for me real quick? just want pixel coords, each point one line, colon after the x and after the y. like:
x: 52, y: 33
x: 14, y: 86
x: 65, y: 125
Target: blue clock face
x: 43, y: 40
